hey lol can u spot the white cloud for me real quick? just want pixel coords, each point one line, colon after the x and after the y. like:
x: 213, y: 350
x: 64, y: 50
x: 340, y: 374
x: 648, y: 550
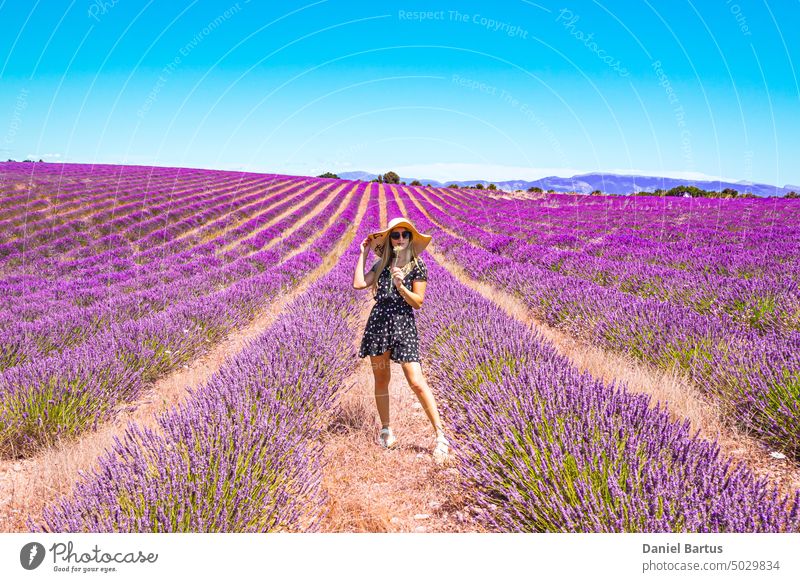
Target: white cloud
x: 43, y: 156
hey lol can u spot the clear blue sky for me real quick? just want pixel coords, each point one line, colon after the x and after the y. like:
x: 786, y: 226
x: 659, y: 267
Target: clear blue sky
x: 501, y: 90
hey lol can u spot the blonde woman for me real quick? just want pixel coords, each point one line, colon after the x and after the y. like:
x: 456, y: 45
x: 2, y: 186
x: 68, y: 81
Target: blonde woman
x: 398, y: 280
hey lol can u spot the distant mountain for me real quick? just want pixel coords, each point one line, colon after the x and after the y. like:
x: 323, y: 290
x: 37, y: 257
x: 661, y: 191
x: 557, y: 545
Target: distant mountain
x: 606, y: 183
x: 356, y: 175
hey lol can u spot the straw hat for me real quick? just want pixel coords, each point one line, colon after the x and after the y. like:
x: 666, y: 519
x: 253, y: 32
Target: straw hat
x: 378, y: 239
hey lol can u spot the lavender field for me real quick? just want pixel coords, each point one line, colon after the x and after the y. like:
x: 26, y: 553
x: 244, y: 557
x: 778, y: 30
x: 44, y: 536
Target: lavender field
x: 114, y: 277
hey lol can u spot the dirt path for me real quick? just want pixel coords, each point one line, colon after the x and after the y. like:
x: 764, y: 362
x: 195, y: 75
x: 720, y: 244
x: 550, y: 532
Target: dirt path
x: 27, y: 486
x: 371, y: 489
x: 684, y: 399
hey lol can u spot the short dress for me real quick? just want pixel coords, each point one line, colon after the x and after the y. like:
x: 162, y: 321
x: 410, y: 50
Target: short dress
x: 391, y: 324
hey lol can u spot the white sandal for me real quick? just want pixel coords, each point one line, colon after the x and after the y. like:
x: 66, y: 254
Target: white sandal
x: 387, y: 438
x: 442, y: 449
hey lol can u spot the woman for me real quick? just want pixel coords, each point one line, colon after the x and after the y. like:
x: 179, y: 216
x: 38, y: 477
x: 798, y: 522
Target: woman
x: 398, y: 279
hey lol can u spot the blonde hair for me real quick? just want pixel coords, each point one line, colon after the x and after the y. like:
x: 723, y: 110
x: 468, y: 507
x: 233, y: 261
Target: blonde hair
x: 388, y: 254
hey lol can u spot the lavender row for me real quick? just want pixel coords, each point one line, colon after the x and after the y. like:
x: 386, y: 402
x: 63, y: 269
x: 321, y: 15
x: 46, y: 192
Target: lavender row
x: 772, y: 243
x: 754, y: 377
x: 130, y: 222
x: 695, y: 222
x: 598, y: 227
x: 92, y: 286
x: 119, y: 262
x: 38, y: 403
x: 124, y: 210
x: 68, y: 193
x: 179, y: 281
x: 769, y: 303
x: 66, y: 329
x: 545, y: 448
x: 59, y: 207
x: 258, y: 238
x: 115, y: 251
x: 243, y: 454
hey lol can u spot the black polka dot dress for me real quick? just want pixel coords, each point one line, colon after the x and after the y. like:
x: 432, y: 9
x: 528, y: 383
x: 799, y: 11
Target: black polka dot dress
x: 391, y: 324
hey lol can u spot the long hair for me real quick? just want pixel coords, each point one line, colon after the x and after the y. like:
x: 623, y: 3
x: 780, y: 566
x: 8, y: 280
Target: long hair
x: 387, y: 256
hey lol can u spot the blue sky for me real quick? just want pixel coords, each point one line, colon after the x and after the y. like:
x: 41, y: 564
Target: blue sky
x: 466, y: 90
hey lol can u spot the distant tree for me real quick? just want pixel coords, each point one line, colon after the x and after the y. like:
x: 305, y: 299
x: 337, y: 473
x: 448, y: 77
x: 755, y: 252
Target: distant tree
x: 551, y: 191
x: 403, y: 183
x: 479, y: 186
x: 692, y: 191
x: 328, y: 175
x: 695, y: 192
x: 596, y: 193
x: 453, y: 186
x: 791, y: 194
x: 391, y: 178
x: 417, y: 183
x: 9, y: 160
x: 534, y: 189
x: 491, y: 187
x: 41, y: 160
x: 29, y: 161
x: 428, y: 185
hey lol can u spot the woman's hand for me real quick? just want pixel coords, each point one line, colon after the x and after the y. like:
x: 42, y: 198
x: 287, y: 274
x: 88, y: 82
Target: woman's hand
x: 365, y: 246
x: 397, y: 277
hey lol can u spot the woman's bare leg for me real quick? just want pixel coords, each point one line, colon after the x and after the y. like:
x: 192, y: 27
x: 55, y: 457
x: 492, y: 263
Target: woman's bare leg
x: 417, y: 382
x: 383, y: 373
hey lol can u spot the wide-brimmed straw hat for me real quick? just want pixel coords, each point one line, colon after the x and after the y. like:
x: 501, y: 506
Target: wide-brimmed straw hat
x: 378, y: 239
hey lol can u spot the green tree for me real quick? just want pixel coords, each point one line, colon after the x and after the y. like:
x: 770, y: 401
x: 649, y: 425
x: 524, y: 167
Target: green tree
x: 416, y: 183
x: 391, y: 178
x: 534, y: 189
x: 479, y: 186
x: 328, y: 175
x: 693, y: 191
x: 491, y: 187
x: 596, y: 193
x: 453, y: 186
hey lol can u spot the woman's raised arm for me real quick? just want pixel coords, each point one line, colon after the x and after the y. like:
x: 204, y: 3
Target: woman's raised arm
x: 361, y: 281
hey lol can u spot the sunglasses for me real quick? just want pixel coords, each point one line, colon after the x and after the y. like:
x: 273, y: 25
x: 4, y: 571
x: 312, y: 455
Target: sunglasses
x: 397, y: 235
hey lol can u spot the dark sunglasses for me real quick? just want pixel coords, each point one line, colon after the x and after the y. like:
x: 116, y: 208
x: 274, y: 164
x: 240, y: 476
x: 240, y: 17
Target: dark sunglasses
x: 404, y: 234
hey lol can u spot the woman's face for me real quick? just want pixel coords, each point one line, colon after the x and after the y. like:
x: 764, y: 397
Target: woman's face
x: 402, y: 243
